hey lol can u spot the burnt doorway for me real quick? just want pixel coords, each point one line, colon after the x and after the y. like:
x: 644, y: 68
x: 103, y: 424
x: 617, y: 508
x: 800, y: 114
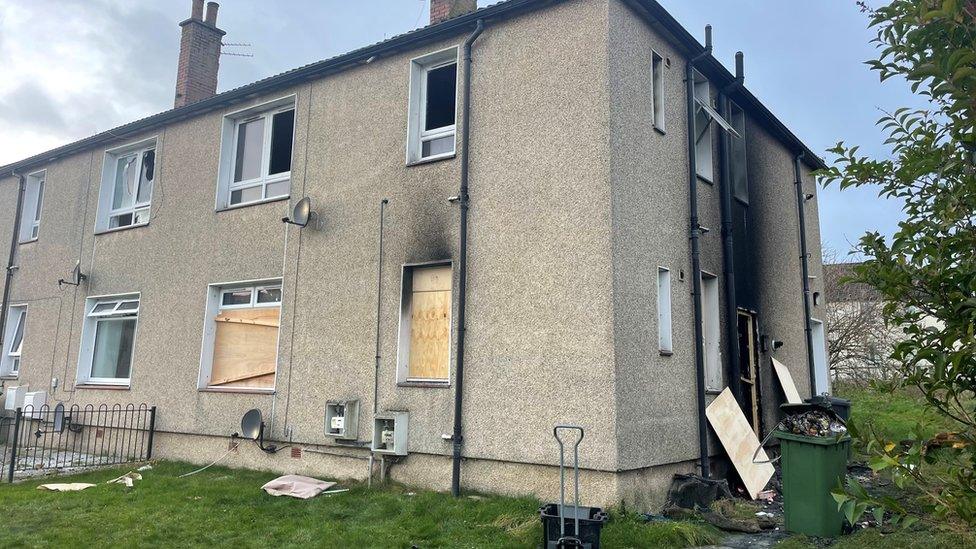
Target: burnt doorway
x: 749, y: 367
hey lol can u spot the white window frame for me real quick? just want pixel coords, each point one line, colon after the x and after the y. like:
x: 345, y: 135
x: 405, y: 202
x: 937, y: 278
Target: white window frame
x: 704, y: 144
x: 657, y: 92
x: 214, y: 304
x: 417, y: 135
x: 106, y: 193
x: 711, y: 332
x: 821, y: 364
x: 228, y: 153
x: 30, y: 217
x: 119, y: 311
x: 665, y: 336
x: 738, y: 153
x: 10, y: 362
x: 403, y: 327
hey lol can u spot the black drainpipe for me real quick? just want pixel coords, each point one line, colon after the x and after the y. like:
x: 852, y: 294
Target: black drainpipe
x: 731, y: 308
x: 696, y: 250
x: 22, y: 189
x: 804, y: 266
x: 457, y: 438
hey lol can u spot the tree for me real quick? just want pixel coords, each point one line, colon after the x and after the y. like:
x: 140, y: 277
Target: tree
x: 927, y: 270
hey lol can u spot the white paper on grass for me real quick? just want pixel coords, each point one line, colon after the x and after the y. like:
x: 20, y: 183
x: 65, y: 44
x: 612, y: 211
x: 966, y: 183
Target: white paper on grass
x: 740, y: 442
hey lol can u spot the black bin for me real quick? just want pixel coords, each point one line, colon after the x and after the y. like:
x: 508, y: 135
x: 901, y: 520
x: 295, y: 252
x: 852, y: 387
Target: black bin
x: 840, y: 406
x: 591, y: 521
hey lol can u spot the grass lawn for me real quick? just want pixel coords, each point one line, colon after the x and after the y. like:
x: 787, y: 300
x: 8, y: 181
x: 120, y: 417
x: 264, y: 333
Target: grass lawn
x: 895, y: 415
x: 226, y: 507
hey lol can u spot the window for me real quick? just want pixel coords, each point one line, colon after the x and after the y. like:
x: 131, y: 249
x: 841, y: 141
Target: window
x: 703, y: 128
x: 13, y: 341
x: 710, y: 333
x: 657, y: 90
x: 256, y: 154
x: 240, y: 350
x: 30, y: 223
x: 108, y: 340
x: 664, y: 310
x: 433, y: 106
x: 424, y: 353
x: 821, y: 366
x: 127, y: 185
x: 740, y: 181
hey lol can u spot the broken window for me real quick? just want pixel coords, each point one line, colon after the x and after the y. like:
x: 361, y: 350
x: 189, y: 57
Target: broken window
x: 260, y: 165
x: 244, y: 337
x: 657, y: 90
x: 14, y: 340
x: 30, y: 225
x: 108, y: 339
x: 710, y: 332
x: 425, y: 324
x: 737, y: 157
x: 664, y: 310
x: 433, y: 106
x: 703, y: 129
x: 132, y: 193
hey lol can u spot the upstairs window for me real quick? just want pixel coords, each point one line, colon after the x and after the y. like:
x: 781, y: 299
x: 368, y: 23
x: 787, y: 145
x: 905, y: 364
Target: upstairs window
x: 240, y: 349
x: 13, y: 341
x: 256, y: 154
x: 127, y: 185
x: 703, y: 128
x: 433, y: 106
x: 737, y: 160
x: 657, y: 90
x: 30, y: 223
x: 108, y: 340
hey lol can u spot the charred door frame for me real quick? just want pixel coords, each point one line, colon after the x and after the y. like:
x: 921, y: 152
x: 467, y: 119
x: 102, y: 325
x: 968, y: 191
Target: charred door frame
x: 753, y: 396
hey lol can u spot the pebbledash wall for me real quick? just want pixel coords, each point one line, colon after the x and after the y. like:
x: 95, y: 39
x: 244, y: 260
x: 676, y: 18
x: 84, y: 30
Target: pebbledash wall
x: 575, y: 203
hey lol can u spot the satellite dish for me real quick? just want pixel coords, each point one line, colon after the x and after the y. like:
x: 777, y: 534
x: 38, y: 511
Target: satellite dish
x: 77, y: 277
x: 302, y: 213
x: 252, y: 427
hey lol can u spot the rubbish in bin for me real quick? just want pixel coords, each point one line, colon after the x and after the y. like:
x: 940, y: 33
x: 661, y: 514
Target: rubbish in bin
x: 812, y: 420
x: 586, y: 522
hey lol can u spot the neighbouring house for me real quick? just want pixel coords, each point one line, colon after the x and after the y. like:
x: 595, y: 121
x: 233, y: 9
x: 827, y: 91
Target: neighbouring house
x: 551, y: 210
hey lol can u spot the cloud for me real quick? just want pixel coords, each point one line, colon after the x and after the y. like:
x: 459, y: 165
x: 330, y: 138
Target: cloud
x: 30, y: 104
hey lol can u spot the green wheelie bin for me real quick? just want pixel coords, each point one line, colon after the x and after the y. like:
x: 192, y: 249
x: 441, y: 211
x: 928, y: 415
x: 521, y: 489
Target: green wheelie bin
x: 811, y: 468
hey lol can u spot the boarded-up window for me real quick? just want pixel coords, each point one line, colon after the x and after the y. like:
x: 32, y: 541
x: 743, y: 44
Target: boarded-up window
x: 245, y: 352
x: 425, y: 335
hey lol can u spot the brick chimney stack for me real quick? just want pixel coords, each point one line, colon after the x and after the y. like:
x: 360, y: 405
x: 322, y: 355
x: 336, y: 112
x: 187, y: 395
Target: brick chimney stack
x: 442, y: 10
x: 196, y: 77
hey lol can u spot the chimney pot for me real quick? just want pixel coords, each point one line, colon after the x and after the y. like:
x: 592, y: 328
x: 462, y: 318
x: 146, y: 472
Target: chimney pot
x: 212, y: 12
x: 196, y: 12
x: 442, y: 10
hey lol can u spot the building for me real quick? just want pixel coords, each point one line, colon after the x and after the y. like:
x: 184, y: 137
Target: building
x: 550, y: 220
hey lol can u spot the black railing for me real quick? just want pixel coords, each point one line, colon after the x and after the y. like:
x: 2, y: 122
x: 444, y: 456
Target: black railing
x: 44, y: 440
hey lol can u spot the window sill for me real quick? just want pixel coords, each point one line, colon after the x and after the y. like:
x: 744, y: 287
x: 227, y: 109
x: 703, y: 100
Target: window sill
x: 239, y: 390
x: 425, y: 384
x: 432, y: 159
x: 255, y: 203
x: 704, y: 179
x: 9, y: 377
x: 119, y: 229
x: 666, y: 353
x: 105, y: 386
x: 713, y: 392
x: 29, y: 241
x: 659, y: 130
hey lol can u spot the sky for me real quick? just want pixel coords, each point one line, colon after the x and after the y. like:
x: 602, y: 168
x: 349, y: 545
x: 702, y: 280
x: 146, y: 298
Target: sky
x: 73, y: 68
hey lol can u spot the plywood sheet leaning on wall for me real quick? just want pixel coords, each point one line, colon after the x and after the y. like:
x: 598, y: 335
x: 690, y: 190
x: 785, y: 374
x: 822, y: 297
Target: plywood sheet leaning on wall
x: 786, y: 382
x: 430, y: 323
x: 246, y: 348
x: 740, y: 442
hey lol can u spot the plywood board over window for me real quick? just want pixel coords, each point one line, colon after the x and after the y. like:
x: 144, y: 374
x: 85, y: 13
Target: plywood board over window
x: 428, y: 311
x: 244, y: 337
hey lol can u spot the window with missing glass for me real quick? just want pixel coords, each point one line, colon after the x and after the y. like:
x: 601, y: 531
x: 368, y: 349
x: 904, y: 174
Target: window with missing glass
x: 433, y: 106
x: 30, y: 223
x: 737, y: 156
x: 108, y: 340
x: 13, y: 340
x: 257, y: 154
x: 125, y: 197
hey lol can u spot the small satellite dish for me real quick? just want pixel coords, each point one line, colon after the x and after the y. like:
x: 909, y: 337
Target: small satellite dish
x: 252, y: 427
x: 302, y: 213
x: 77, y: 277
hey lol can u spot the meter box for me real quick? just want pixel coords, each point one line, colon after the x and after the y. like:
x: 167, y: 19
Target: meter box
x: 15, y: 398
x: 342, y: 419
x: 390, y: 433
x: 34, y: 404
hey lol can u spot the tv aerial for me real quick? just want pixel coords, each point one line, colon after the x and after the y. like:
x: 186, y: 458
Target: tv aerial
x: 252, y: 427
x: 77, y: 277
x: 302, y: 215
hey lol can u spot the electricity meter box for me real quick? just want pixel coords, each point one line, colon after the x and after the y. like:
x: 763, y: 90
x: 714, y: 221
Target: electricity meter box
x: 342, y: 419
x: 34, y: 404
x: 15, y: 398
x: 390, y: 433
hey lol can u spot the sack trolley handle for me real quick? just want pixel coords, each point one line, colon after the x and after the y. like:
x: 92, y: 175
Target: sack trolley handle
x: 562, y: 477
